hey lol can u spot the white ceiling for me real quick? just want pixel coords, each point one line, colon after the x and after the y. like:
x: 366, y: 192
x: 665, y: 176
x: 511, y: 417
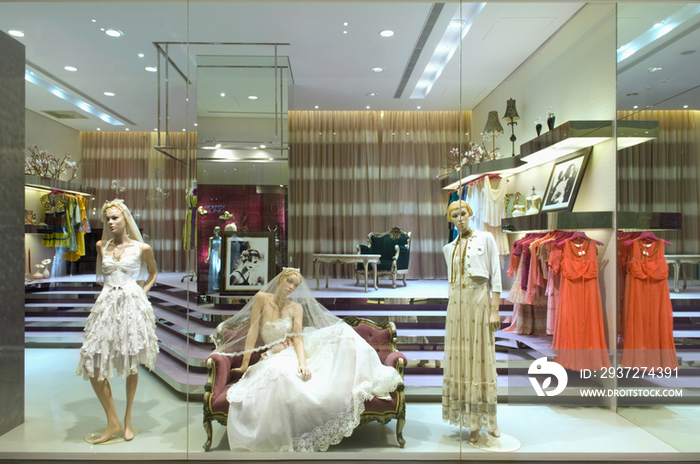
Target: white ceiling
x: 330, y: 69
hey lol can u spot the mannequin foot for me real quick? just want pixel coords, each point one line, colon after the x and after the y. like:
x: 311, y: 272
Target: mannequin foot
x: 128, y: 433
x: 474, y: 435
x: 128, y: 429
x: 111, y: 430
x: 496, y: 432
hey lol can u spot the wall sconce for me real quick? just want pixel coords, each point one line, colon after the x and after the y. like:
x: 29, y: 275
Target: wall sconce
x: 512, y: 115
x: 493, y: 129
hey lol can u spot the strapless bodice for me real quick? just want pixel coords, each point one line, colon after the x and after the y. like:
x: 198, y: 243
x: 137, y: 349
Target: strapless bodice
x: 276, y: 330
x: 118, y: 272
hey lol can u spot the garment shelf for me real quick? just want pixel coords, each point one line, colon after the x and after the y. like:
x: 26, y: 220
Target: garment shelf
x: 558, y: 220
x: 45, y: 183
x: 472, y: 171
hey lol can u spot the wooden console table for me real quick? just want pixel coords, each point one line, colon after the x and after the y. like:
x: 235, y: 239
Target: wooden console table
x: 678, y: 261
x: 347, y: 259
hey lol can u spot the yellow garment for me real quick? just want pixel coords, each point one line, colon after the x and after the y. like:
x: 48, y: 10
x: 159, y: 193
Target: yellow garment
x: 189, y: 232
x: 75, y: 255
x: 55, y: 208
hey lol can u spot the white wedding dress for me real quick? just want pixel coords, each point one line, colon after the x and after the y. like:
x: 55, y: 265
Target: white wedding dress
x: 273, y: 409
x: 120, y: 331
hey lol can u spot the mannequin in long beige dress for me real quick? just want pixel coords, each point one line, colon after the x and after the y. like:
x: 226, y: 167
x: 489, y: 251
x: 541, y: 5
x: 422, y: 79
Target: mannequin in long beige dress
x: 469, y: 391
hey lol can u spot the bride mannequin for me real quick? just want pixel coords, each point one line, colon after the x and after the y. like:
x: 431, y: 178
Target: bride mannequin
x: 120, y: 331
x: 308, y: 390
x: 469, y: 382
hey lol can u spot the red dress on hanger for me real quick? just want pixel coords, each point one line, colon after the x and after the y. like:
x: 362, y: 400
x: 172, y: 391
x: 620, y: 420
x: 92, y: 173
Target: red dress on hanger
x: 579, y: 337
x: 648, y: 314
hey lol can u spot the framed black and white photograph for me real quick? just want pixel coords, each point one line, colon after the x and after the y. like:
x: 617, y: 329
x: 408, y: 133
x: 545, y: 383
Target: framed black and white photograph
x: 565, y: 181
x: 248, y: 262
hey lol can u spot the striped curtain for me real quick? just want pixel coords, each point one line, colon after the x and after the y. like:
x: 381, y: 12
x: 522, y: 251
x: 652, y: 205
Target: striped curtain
x: 154, y: 185
x: 352, y: 173
x: 663, y: 175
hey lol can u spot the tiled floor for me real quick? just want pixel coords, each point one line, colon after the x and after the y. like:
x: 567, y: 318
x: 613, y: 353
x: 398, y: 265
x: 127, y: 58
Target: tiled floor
x: 61, y: 409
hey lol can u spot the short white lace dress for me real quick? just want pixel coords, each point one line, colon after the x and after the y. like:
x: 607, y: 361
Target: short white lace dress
x: 120, y: 331
x: 273, y: 409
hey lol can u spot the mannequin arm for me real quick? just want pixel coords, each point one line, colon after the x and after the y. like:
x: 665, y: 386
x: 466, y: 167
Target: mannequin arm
x: 494, y: 318
x: 209, y: 250
x: 298, y: 341
x: 147, y: 253
x: 252, y: 336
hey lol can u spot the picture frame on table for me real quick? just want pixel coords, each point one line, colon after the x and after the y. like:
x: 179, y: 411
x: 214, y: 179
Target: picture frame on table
x: 565, y: 181
x: 248, y: 262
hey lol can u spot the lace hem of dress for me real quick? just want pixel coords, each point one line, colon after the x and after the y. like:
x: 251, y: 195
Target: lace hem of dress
x: 333, y: 431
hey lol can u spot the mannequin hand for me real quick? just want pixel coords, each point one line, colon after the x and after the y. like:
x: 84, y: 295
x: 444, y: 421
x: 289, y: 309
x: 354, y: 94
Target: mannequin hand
x: 206, y: 260
x: 305, y: 373
x: 494, y: 320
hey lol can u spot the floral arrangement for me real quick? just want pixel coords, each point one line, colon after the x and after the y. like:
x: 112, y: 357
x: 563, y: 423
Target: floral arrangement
x: 474, y: 154
x: 43, y: 163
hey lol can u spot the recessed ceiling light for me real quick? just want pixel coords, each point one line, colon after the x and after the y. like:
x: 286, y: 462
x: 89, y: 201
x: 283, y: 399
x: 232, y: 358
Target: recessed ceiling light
x: 371, y: 94
x: 386, y: 33
x: 417, y: 107
x: 262, y: 146
x: 127, y: 128
x: 151, y: 69
x: 184, y: 130
x: 654, y: 69
x: 345, y: 32
x: 685, y: 106
x: 141, y: 55
x: 367, y: 107
x: 195, y: 124
x: 70, y: 68
x: 99, y: 128
x: 16, y: 33
x: 109, y: 94
x: 345, y: 23
x: 635, y: 107
x: 223, y: 94
x: 252, y: 97
x: 113, y: 33
x: 377, y: 69
x: 316, y: 106
x: 102, y: 29
x: 155, y: 129
x: 93, y: 20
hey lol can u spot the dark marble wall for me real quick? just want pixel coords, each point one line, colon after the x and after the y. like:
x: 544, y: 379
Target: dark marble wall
x: 12, y: 232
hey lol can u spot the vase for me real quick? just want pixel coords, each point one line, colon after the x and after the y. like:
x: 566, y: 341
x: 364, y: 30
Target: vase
x: 550, y: 121
x: 38, y: 275
x: 46, y: 273
x: 518, y: 210
x: 538, y: 126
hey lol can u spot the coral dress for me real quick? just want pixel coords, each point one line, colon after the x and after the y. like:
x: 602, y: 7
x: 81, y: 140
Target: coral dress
x: 648, y: 314
x: 272, y: 409
x: 579, y: 337
x: 120, y: 332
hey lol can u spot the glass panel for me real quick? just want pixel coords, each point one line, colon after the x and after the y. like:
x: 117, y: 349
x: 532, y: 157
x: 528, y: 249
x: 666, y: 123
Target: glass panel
x: 79, y: 107
x: 657, y: 157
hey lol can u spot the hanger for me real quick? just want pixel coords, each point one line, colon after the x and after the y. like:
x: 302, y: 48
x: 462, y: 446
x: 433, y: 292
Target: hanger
x: 580, y: 234
x: 645, y: 235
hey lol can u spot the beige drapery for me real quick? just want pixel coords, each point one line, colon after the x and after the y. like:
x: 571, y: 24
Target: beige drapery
x: 662, y: 175
x: 352, y: 173
x: 154, y: 185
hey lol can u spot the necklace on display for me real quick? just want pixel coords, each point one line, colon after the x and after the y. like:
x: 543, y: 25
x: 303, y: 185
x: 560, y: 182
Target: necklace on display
x: 114, y: 255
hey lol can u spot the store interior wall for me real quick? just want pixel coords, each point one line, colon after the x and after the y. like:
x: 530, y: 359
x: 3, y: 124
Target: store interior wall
x: 12, y: 102
x: 53, y: 136
x: 574, y: 73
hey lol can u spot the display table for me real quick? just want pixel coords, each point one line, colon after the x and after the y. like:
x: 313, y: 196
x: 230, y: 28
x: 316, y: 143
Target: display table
x: 677, y: 261
x: 346, y: 259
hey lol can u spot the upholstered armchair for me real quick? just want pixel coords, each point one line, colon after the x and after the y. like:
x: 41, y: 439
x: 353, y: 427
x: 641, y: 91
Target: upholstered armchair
x: 395, y: 250
x: 381, y: 337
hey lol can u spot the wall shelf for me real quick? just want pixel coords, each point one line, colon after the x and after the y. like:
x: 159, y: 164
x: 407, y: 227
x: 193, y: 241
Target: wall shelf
x: 44, y: 183
x: 560, y: 220
x: 565, y: 139
x: 473, y: 171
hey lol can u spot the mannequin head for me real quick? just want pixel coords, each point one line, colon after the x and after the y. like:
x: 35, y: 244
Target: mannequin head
x: 458, y: 212
x: 217, y: 229
x: 289, y: 280
x: 114, y: 215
